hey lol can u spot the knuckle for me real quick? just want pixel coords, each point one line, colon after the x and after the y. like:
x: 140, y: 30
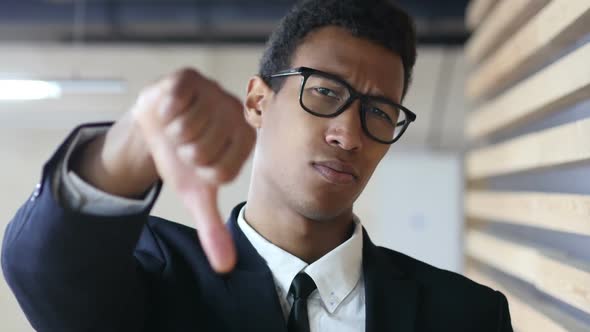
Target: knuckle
x: 219, y: 174
x: 200, y: 156
x: 185, y: 136
x: 180, y: 79
x: 185, y: 152
x: 179, y: 131
x: 186, y: 73
x: 224, y: 175
x: 190, y: 153
x: 201, y: 159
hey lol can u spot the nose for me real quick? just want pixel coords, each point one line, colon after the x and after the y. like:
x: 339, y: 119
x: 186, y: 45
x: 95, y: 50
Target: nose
x: 345, y: 130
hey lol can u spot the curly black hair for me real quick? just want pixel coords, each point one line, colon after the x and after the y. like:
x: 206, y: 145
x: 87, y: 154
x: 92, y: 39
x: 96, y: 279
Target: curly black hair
x: 376, y: 20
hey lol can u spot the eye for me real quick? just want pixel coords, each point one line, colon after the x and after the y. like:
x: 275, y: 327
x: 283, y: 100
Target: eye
x: 325, y: 92
x: 380, y: 113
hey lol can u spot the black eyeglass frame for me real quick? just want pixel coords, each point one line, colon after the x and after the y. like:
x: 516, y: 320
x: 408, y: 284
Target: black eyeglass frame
x: 306, y: 72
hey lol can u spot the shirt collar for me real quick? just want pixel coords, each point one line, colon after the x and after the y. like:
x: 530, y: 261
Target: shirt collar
x: 335, y: 274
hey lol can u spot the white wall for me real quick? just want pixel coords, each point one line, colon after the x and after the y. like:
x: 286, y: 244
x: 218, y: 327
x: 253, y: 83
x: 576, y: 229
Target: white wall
x: 412, y: 204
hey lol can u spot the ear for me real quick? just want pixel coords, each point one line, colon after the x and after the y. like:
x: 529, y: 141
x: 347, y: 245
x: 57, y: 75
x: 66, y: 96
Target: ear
x: 259, y: 93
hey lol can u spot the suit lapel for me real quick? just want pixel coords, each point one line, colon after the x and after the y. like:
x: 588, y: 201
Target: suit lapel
x: 391, y: 297
x: 252, y: 287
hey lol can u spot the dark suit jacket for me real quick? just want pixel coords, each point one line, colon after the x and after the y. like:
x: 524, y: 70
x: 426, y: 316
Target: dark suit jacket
x: 79, y: 272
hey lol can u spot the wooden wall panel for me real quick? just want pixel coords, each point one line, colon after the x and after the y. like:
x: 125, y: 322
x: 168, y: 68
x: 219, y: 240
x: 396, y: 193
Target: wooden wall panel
x: 528, y: 313
x: 561, y: 84
x: 554, y: 28
x: 558, y: 276
x: 558, y: 212
x: 530, y: 69
x: 477, y: 11
x: 503, y: 19
x: 562, y: 145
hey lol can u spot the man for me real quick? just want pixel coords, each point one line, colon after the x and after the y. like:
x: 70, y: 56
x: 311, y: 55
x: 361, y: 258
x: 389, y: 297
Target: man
x: 84, y: 254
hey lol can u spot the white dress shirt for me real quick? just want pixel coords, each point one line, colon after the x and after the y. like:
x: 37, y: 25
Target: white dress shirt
x: 78, y: 195
x: 338, y: 303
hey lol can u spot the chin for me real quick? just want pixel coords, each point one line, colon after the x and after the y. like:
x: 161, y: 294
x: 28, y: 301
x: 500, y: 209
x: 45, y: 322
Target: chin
x: 312, y: 197
x: 322, y: 210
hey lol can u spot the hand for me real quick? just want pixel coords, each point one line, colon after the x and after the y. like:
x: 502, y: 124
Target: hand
x: 198, y: 139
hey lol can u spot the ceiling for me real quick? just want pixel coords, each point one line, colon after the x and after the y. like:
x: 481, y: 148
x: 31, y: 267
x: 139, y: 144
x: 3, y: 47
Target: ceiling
x: 190, y: 21
x: 123, y: 38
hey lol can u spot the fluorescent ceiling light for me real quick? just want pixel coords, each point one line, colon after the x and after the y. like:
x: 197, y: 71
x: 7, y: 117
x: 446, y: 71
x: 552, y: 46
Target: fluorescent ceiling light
x: 28, y: 90
x: 92, y: 86
x: 21, y: 89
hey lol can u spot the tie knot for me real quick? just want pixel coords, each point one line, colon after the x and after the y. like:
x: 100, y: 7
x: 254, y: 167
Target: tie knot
x: 302, y: 286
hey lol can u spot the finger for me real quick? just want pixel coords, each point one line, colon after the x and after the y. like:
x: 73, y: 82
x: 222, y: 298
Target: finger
x: 237, y: 156
x: 214, y: 236
x: 190, y: 125
x: 231, y: 162
x: 208, y: 147
x: 200, y: 199
x: 212, y: 144
x: 179, y: 91
x: 219, y: 152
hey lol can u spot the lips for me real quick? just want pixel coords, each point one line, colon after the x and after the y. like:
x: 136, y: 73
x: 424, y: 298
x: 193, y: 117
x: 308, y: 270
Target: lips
x: 336, y: 172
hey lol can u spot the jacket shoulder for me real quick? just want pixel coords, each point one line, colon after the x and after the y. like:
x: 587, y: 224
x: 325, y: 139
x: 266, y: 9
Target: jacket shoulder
x: 431, y: 276
x: 450, y: 297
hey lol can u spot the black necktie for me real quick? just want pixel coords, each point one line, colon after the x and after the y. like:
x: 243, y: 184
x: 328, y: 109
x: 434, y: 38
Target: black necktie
x: 301, y: 287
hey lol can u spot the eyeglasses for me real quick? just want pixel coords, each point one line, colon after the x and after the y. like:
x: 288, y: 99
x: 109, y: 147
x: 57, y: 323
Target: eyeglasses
x: 326, y: 95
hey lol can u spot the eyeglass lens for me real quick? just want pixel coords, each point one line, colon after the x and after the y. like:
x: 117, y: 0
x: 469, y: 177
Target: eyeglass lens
x: 326, y: 96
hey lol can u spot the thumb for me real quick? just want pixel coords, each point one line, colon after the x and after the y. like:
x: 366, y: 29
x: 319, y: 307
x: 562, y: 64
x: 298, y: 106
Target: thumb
x: 217, y: 243
x: 198, y: 197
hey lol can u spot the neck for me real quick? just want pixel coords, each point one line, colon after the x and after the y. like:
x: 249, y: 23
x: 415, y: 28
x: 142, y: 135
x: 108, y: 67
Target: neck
x: 282, y: 225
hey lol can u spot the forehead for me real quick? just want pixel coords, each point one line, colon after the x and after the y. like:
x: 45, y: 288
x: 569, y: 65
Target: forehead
x: 366, y: 65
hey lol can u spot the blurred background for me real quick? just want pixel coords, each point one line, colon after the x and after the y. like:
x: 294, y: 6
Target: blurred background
x: 492, y: 181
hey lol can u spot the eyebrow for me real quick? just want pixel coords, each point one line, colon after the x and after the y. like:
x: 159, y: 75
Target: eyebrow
x: 380, y: 94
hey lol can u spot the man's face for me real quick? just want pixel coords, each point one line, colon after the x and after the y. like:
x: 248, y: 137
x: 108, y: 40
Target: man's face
x: 307, y: 161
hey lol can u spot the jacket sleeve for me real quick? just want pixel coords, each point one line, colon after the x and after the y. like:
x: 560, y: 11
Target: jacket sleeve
x: 76, y: 194
x: 75, y: 271
x: 505, y: 324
